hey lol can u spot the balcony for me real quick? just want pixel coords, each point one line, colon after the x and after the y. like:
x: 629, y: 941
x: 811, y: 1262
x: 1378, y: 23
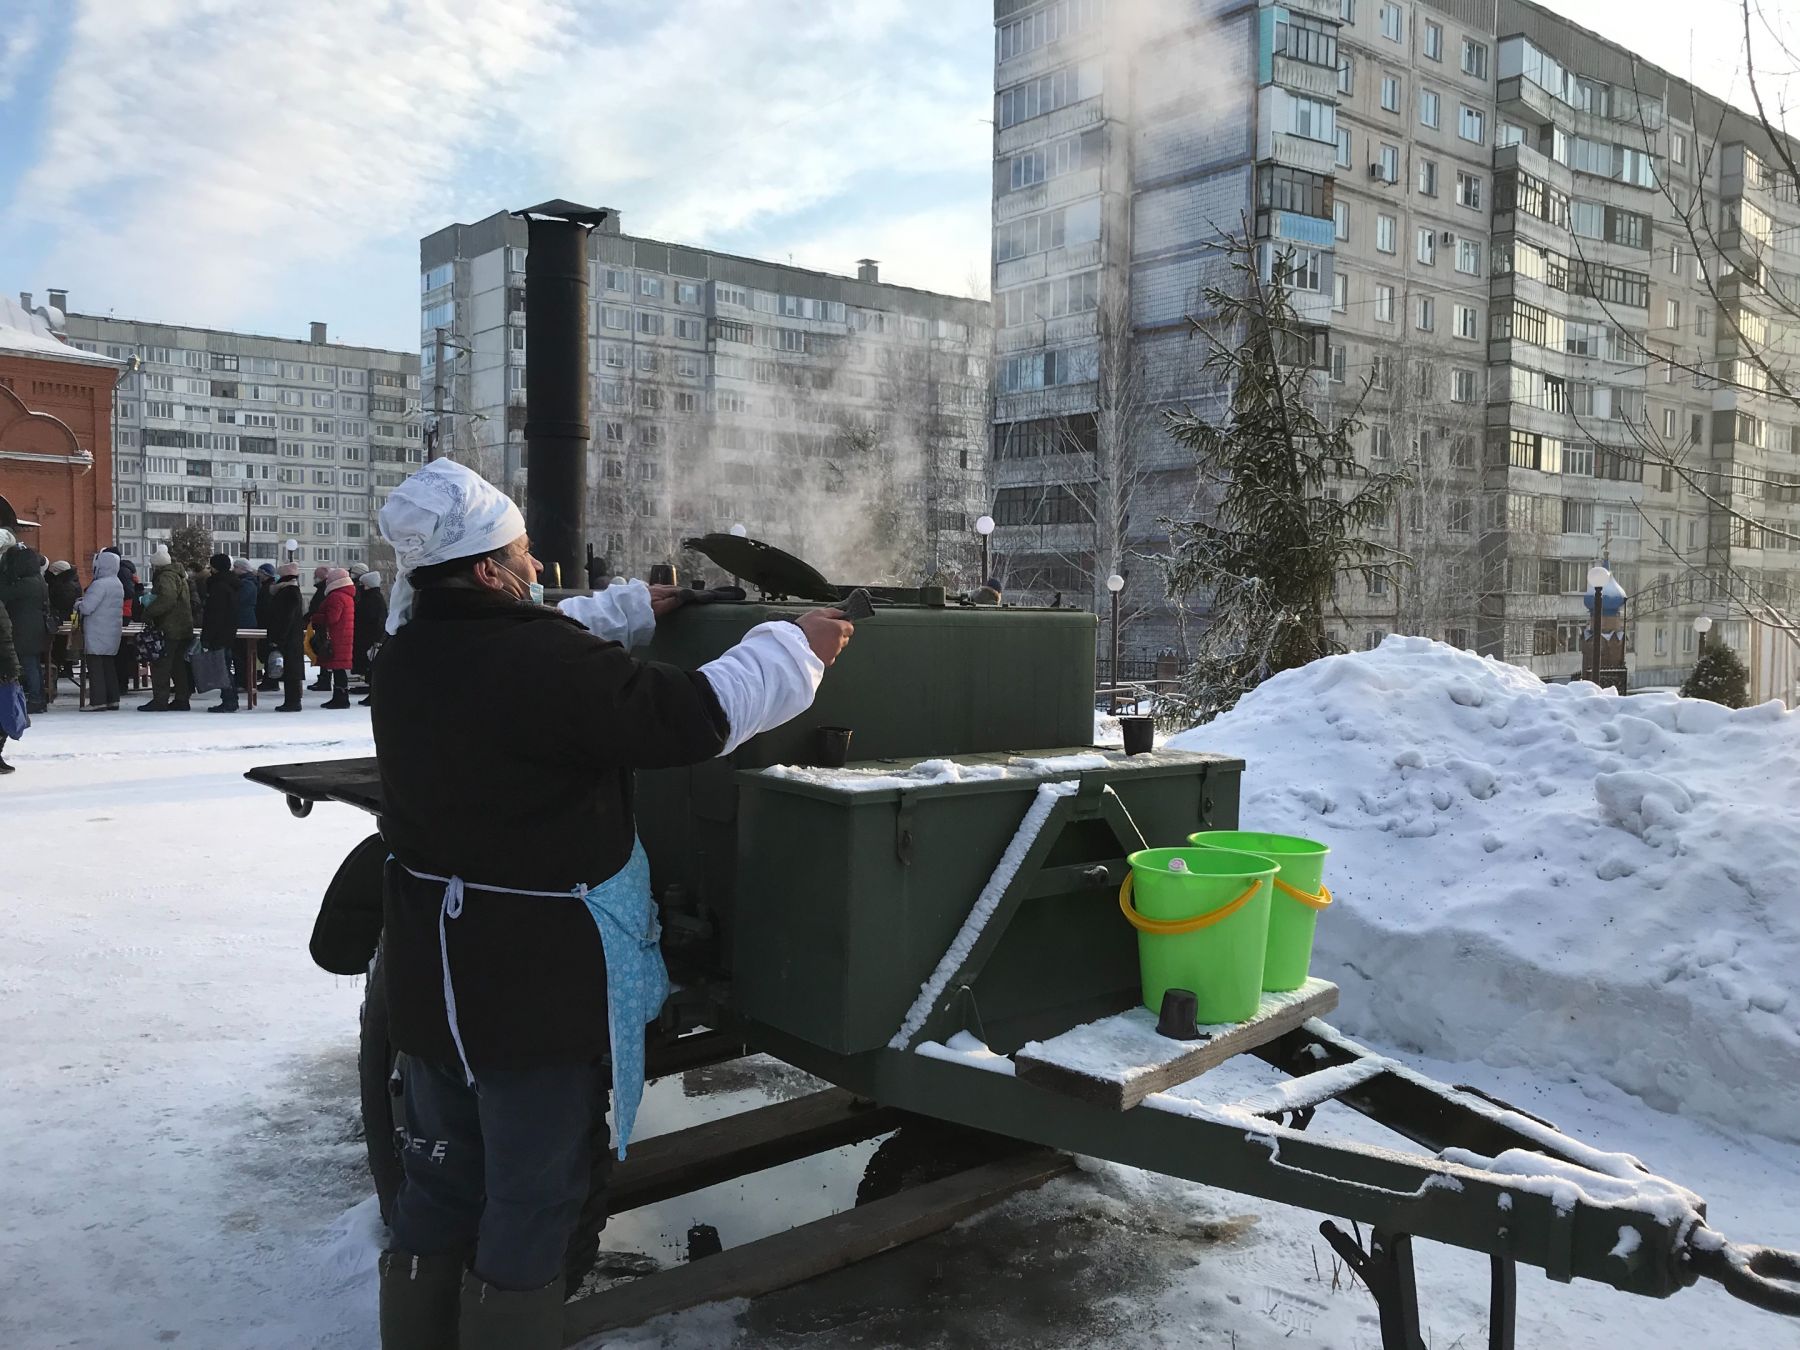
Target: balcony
x: 1298, y: 152
x: 1305, y: 78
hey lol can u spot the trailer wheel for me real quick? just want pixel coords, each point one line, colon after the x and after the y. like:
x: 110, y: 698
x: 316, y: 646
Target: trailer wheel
x: 925, y: 1150
x: 383, y: 1113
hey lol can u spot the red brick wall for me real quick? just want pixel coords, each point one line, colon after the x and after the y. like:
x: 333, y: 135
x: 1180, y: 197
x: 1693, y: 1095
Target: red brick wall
x: 72, y: 502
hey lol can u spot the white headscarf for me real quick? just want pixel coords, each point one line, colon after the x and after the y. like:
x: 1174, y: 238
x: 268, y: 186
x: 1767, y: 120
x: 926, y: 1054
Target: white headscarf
x: 443, y: 512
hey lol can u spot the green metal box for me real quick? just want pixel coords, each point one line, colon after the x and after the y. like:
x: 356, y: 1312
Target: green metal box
x: 916, y: 682
x: 849, y: 897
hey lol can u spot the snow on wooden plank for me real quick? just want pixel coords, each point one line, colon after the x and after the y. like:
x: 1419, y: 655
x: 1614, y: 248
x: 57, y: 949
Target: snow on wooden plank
x: 1120, y: 1060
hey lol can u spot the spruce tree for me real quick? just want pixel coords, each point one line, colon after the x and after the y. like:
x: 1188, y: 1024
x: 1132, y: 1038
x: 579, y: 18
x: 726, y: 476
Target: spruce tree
x: 1284, y: 506
x: 191, y: 546
x: 1719, y: 676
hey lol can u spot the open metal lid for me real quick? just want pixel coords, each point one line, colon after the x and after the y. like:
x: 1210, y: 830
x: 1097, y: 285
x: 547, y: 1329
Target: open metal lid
x: 774, y: 572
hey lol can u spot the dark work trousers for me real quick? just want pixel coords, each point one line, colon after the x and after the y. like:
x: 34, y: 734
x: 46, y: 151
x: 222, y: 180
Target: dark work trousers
x: 170, y: 679
x: 293, y: 674
x: 103, y: 680
x: 502, y: 1168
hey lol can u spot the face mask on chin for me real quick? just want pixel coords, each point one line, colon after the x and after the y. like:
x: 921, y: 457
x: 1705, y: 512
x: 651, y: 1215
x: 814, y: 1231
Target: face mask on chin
x: 534, y: 592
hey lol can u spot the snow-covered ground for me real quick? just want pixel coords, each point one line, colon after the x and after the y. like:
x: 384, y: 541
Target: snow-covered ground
x: 179, y: 1162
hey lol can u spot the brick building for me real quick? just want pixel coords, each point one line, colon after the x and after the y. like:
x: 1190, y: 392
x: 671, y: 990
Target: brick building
x: 55, y: 435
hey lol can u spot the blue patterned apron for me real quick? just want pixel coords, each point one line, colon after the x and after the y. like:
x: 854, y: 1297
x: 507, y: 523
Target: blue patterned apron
x: 636, y: 981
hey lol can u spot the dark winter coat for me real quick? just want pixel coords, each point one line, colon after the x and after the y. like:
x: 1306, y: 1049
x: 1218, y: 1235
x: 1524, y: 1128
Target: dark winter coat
x: 371, y: 624
x: 336, y: 615
x: 10, y: 670
x: 506, y: 735
x: 246, y: 599
x: 27, y: 601
x: 170, y: 611
x: 199, y: 583
x: 265, y: 587
x: 133, y: 588
x: 219, y: 623
x: 65, y: 590
x: 318, y: 598
x: 286, y: 629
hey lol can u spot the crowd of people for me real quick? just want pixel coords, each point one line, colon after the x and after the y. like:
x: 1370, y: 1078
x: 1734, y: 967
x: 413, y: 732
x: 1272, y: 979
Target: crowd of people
x: 184, y: 623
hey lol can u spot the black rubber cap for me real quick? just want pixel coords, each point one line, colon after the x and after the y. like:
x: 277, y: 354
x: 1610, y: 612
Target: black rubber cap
x: 1180, y: 1011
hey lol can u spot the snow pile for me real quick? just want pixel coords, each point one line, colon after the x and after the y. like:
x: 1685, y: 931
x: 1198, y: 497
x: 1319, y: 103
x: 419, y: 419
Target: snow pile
x: 937, y: 772
x: 1545, y: 875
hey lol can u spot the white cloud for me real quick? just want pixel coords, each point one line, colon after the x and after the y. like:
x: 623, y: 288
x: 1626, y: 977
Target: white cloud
x: 19, y: 42
x: 199, y: 152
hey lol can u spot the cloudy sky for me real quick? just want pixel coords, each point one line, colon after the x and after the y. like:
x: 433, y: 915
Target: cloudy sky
x: 261, y: 163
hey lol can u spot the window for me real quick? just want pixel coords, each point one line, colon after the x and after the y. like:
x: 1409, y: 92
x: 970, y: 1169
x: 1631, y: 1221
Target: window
x: 1669, y: 423
x: 691, y: 329
x: 1462, y: 386
x: 650, y: 286
x: 1378, y: 372
x: 1428, y: 107
x: 1384, y: 304
x: 1337, y: 363
x: 1346, y: 75
x: 1471, y: 124
x: 1466, y: 321
x: 1390, y: 93
x: 1347, y: 10
x: 1389, y: 161
x: 687, y: 293
x: 1391, y: 23
x: 730, y: 295
x: 1340, y: 220
x: 616, y: 280
x: 1475, y: 58
x: 1672, y: 315
x: 1427, y: 247
x: 1434, y: 43
x: 1468, y: 256
x: 1468, y: 191
x: 613, y: 316
x: 1299, y: 269
x: 1428, y: 170
x: 1381, y: 442
x: 1312, y: 118
x: 1343, y: 147
x: 649, y: 323
x: 1385, y: 230
x: 1427, y: 315
x: 1340, y: 292
x: 1677, y: 147
x: 1071, y: 84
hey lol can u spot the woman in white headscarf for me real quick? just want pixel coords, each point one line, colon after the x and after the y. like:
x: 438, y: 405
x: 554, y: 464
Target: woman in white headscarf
x: 519, y: 933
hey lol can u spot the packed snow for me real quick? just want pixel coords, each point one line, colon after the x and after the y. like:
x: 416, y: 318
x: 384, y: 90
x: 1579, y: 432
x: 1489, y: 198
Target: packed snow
x: 1545, y: 875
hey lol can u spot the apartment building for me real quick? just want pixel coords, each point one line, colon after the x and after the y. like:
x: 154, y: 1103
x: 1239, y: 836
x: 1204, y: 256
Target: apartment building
x: 294, y: 440
x: 842, y: 418
x: 1485, y: 210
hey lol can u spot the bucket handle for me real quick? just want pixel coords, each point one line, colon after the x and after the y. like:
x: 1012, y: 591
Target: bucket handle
x: 1319, y: 901
x: 1176, y: 927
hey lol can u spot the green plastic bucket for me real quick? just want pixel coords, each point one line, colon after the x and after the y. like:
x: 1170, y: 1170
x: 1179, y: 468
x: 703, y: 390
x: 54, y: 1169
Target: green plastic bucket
x: 1291, y: 920
x: 1220, y: 961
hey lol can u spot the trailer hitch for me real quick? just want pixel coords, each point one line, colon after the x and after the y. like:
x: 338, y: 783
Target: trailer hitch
x: 1766, y: 1277
x: 1386, y: 1268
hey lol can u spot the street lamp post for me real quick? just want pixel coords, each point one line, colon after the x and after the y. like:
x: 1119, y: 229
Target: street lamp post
x: 1597, y: 579
x: 984, y: 526
x: 1114, y: 583
x: 1702, y: 626
x: 293, y: 549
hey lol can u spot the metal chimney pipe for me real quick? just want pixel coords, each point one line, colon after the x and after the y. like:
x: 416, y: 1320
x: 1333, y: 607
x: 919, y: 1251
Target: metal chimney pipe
x: 556, y: 385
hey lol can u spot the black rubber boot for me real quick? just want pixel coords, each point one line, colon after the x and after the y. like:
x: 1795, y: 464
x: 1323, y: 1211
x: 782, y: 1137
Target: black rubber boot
x: 506, y: 1319
x: 419, y: 1300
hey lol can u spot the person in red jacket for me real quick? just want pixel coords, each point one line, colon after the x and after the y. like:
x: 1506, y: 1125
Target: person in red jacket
x: 334, y: 630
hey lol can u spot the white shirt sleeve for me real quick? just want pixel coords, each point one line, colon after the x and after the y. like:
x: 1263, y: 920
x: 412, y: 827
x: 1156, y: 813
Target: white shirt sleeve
x: 770, y: 677
x: 619, y: 614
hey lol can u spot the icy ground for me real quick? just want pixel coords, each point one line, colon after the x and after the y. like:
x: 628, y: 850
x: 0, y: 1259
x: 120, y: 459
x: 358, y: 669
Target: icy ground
x: 179, y: 1162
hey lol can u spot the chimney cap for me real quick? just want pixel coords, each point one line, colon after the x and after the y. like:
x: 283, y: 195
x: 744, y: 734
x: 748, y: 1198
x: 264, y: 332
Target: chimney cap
x: 318, y: 332
x: 559, y: 208
x: 868, y: 269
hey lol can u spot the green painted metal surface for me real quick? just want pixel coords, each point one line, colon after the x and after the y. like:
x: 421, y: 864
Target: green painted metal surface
x: 916, y: 682
x: 849, y: 898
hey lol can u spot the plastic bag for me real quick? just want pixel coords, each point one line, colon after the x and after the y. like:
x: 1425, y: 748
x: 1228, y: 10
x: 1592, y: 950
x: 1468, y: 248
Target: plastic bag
x: 212, y: 670
x: 13, y: 717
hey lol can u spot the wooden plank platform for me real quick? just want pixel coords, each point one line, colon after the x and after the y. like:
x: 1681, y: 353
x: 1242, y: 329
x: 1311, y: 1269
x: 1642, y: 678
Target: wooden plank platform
x: 1118, y: 1061
x: 672, y: 1164
x: 812, y: 1249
